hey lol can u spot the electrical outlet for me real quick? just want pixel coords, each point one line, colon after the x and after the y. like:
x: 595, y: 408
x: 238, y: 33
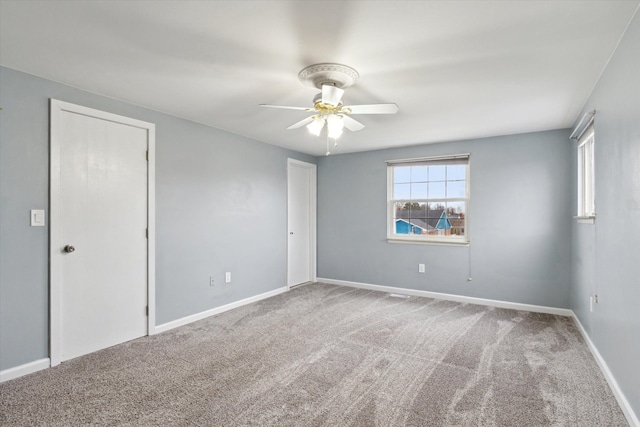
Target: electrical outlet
x: 227, y: 277
x: 420, y: 268
x: 211, y: 281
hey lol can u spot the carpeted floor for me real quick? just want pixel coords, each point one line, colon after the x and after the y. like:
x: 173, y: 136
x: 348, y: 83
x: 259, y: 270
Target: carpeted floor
x: 323, y: 355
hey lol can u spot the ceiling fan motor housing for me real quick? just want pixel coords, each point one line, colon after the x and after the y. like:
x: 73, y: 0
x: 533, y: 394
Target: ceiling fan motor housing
x: 338, y: 75
x: 325, y: 109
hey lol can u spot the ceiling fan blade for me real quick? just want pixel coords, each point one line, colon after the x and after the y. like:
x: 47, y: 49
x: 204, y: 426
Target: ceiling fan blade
x: 301, y: 123
x: 286, y: 107
x: 331, y: 94
x: 371, y: 109
x: 351, y: 124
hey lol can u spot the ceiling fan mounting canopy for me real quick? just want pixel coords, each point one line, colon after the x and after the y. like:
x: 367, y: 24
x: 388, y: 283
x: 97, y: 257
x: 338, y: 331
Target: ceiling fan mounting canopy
x: 328, y: 73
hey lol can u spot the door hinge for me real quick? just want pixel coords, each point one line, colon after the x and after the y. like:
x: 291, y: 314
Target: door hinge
x: 147, y: 233
x: 147, y: 155
x: 147, y: 310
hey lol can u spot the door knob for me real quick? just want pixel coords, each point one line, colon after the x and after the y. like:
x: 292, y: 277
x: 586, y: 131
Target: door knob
x: 68, y: 249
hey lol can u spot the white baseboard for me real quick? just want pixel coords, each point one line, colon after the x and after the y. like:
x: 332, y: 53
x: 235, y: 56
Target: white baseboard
x: 632, y: 418
x: 451, y: 297
x: 203, y: 315
x: 27, y: 368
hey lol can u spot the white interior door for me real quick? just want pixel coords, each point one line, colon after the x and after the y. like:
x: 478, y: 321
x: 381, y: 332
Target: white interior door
x: 301, y: 214
x: 100, y: 217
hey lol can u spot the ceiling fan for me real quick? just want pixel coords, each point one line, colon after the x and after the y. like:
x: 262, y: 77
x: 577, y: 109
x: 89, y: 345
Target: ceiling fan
x: 327, y: 108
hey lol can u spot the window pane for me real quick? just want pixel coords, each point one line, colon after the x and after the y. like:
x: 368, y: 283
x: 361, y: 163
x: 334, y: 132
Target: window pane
x: 456, y: 217
x: 433, y: 214
x: 418, y: 218
x: 419, y: 173
x: 589, y: 182
x: 455, y: 189
x: 402, y: 174
x: 581, y: 180
x: 437, y: 173
x: 456, y: 208
x: 402, y: 191
x: 409, y: 218
x: 436, y: 189
x: 586, y: 174
x: 435, y: 210
x: 419, y: 190
x: 456, y: 172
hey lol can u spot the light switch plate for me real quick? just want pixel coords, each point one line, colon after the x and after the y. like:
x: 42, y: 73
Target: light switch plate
x: 37, y: 217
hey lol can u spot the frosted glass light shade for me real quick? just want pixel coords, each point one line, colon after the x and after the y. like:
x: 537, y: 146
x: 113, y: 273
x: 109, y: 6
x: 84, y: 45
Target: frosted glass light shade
x: 315, y: 127
x: 335, y: 126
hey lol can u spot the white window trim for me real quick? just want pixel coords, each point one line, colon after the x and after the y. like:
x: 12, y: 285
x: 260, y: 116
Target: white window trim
x: 586, y: 176
x: 428, y: 240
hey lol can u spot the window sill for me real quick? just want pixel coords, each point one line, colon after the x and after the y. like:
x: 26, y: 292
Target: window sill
x: 585, y: 219
x: 430, y: 242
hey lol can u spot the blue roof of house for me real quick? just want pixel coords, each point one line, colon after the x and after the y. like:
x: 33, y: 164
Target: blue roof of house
x: 416, y: 223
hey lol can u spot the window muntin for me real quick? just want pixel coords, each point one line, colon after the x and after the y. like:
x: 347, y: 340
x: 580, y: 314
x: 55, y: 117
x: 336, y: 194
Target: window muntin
x: 428, y: 199
x: 586, y: 181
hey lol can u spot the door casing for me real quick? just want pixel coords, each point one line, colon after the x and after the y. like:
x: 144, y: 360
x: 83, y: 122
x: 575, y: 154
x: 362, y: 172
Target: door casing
x: 312, y: 170
x: 57, y: 109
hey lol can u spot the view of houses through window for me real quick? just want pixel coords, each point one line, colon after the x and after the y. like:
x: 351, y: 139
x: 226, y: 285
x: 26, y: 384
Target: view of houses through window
x: 428, y: 199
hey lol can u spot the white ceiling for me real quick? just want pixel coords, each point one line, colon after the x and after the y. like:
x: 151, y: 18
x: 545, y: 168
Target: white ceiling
x: 457, y: 70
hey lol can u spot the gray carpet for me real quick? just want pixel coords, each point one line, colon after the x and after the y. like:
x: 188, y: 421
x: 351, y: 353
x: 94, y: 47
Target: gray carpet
x: 323, y: 355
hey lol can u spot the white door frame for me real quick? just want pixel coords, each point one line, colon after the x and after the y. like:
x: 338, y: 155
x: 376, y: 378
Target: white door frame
x: 312, y: 216
x: 55, y: 232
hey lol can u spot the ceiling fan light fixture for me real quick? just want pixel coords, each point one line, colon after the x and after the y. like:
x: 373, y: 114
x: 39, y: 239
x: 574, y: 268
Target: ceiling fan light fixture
x: 334, y: 126
x: 328, y: 108
x: 315, y: 127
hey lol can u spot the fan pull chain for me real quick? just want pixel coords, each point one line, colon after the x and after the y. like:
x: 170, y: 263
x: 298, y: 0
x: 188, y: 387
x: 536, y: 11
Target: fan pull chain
x: 328, y: 152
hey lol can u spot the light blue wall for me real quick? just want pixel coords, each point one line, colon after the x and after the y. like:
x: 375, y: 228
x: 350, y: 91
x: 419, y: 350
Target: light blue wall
x: 220, y: 206
x: 606, y: 255
x: 519, y: 222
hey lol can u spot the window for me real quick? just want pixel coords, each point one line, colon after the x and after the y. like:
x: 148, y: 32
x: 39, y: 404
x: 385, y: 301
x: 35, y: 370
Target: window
x: 586, y: 200
x: 428, y: 199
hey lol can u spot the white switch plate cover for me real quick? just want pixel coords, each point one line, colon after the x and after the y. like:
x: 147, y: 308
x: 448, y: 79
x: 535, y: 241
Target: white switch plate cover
x: 420, y: 268
x: 227, y: 277
x: 37, y: 217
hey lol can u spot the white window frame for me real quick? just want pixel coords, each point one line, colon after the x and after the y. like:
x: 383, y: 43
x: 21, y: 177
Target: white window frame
x: 586, y: 210
x: 427, y: 239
